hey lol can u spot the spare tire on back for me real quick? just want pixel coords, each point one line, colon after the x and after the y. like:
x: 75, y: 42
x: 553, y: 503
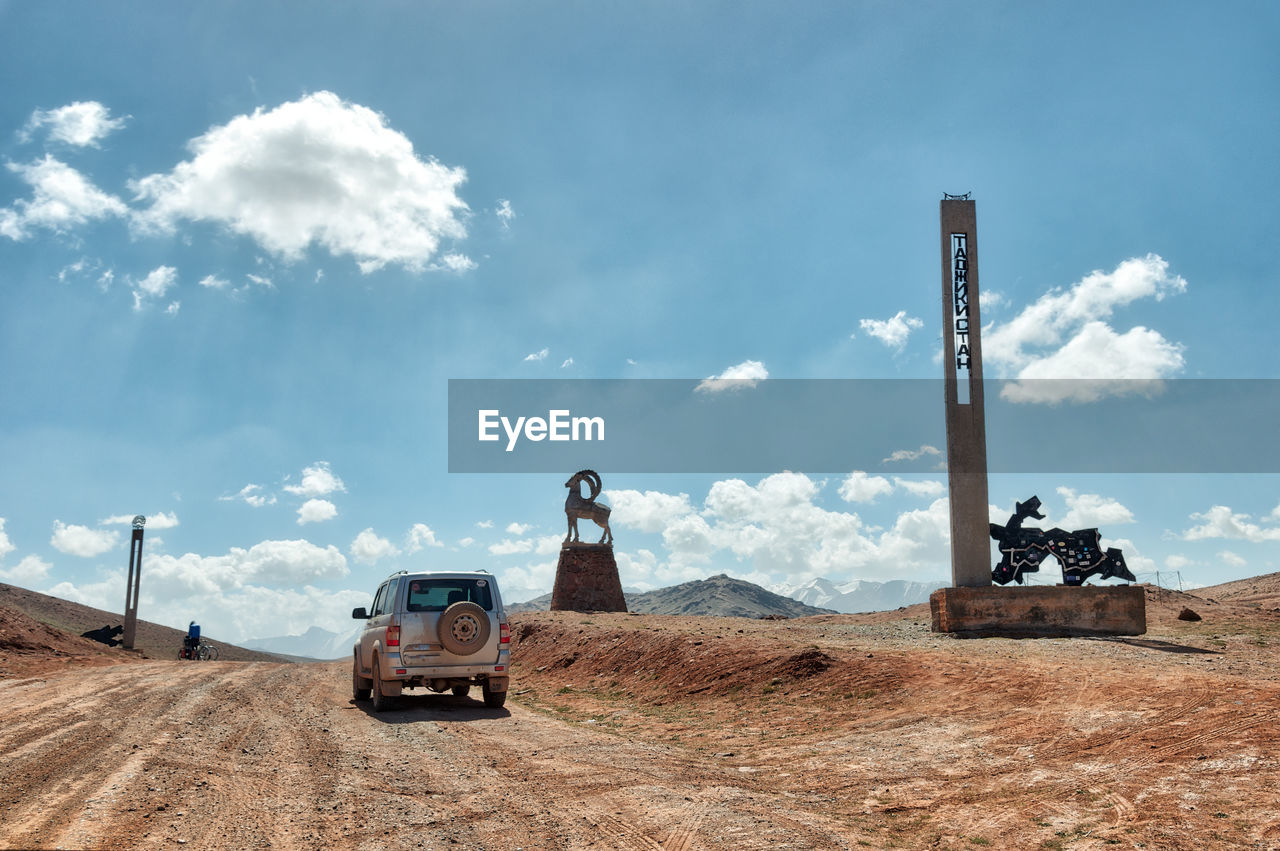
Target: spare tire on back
x: 463, y: 628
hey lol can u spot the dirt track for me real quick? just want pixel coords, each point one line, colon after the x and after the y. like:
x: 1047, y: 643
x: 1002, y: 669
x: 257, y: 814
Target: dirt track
x: 631, y: 732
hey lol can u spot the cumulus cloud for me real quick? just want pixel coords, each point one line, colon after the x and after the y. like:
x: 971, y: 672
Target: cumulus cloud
x: 1177, y: 562
x: 507, y: 547
x: 648, y: 511
x: 1065, y: 335
x: 252, y: 495
x: 541, y: 354
x: 742, y: 376
x: 30, y: 571
x: 159, y: 520
x: 157, y: 282
x: 368, y: 547
x: 319, y: 170
x: 255, y: 593
x: 81, y: 540
x: 1228, y: 557
x: 213, y: 282
x: 6, y: 546
x: 566, y: 363
x: 316, y: 511
x: 911, y: 454
x: 1221, y: 522
x: 920, y: 487
x: 894, y: 331
x: 1090, y: 511
x: 317, y: 480
x: 62, y: 198
x: 484, y: 524
x: 859, y: 487
x: 81, y: 123
x: 504, y: 213
x: 420, y: 535
x: 518, y: 528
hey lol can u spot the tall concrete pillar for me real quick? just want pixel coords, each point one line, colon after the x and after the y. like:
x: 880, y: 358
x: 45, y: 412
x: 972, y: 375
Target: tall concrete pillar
x: 133, y: 583
x: 962, y: 367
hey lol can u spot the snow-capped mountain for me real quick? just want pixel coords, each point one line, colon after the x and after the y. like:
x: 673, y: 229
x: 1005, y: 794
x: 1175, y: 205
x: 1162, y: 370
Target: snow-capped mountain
x: 860, y: 595
x: 315, y: 643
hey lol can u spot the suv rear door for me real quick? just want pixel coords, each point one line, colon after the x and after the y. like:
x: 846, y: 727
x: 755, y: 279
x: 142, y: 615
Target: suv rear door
x: 425, y: 602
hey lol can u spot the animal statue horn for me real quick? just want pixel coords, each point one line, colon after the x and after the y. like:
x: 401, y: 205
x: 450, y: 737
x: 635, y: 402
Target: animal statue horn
x: 577, y: 506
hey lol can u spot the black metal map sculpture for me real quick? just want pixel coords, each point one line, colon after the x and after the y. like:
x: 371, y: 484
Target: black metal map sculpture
x: 1078, y: 553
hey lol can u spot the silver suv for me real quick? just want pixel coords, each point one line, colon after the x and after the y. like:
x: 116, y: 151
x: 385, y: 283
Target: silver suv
x: 433, y: 630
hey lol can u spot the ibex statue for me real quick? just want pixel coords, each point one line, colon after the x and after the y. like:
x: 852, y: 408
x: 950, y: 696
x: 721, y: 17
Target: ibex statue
x: 575, y: 506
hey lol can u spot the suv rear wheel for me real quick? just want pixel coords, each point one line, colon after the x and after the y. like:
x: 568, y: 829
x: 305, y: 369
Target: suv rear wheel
x: 463, y: 628
x: 360, y: 686
x: 493, y: 699
x: 381, y: 702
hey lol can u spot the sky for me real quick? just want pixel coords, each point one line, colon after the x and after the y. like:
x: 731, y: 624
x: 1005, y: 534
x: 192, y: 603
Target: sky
x: 244, y: 248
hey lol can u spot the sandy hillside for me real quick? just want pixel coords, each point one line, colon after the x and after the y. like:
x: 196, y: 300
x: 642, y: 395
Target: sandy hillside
x: 649, y: 731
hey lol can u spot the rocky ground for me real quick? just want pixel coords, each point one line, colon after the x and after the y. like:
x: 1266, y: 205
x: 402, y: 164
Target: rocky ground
x: 647, y: 731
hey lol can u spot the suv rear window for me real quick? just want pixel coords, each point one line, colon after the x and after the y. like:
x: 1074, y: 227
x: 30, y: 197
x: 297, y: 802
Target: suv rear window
x: 436, y: 595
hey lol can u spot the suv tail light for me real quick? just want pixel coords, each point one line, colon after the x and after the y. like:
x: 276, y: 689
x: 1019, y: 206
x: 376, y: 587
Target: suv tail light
x: 504, y: 634
x: 393, y: 636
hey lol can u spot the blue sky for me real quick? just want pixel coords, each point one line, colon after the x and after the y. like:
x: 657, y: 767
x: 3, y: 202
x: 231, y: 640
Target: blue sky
x: 244, y: 248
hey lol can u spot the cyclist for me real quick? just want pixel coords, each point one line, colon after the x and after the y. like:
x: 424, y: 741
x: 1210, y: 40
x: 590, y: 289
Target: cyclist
x: 192, y: 641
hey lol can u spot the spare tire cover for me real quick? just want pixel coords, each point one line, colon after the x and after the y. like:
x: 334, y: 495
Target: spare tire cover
x: 463, y: 628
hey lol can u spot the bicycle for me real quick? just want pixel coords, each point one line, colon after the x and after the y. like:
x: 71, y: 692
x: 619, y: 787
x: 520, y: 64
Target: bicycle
x: 206, y: 653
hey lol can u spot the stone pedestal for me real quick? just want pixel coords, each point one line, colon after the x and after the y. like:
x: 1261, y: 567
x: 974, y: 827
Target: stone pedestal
x: 1040, y: 611
x: 587, y: 580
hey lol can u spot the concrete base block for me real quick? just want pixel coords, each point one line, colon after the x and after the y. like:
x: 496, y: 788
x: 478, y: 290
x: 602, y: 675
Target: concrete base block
x: 1040, y: 611
x: 587, y: 580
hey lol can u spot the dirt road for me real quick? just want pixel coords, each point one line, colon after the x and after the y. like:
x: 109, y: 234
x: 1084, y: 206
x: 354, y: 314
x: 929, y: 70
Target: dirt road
x: 245, y: 755
x: 650, y: 732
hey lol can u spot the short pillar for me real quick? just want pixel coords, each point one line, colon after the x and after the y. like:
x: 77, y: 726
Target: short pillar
x: 587, y: 580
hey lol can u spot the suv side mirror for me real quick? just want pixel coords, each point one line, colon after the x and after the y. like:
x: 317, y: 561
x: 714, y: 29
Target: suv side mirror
x: 360, y: 614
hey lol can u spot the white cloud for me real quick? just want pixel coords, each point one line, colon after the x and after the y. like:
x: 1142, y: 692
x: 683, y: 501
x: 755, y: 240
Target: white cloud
x: 894, y: 331
x: 484, y: 524
x: 507, y: 547
x: 504, y: 213
x: 859, y: 487
x: 265, y: 283
x: 742, y: 376
x: 317, y: 170
x: 30, y: 571
x: 81, y: 540
x: 1221, y: 522
x: 317, y: 480
x: 62, y: 198
x: 157, y: 282
x: 538, y: 355
x: 173, y: 308
x: 1177, y: 562
x: 520, y: 584
x: 159, y: 520
x: 81, y: 123
x: 420, y: 535
x: 1065, y: 335
x: 453, y: 262
x: 1090, y: 511
x: 920, y: 487
x: 213, y: 282
x: 990, y: 298
x: 466, y: 542
x: 316, y: 511
x: 250, y: 494
x: 518, y: 528
x: 650, y: 511
x: 911, y: 454
x: 368, y: 548
x: 6, y: 546
x: 566, y: 362
x: 1228, y: 557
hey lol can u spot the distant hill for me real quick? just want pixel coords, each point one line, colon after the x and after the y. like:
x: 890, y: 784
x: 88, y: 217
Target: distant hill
x: 1262, y: 591
x: 861, y: 595
x: 152, y: 640
x: 719, y: 595
x: 315, y: 643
